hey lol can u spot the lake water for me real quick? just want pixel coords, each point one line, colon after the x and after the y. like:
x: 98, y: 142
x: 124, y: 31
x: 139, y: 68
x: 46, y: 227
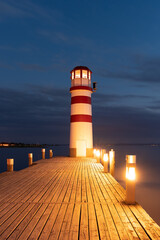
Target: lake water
x: 147, y: 177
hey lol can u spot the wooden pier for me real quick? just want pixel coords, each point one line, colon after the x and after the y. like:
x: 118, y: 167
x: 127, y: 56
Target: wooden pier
x: 69, y: 198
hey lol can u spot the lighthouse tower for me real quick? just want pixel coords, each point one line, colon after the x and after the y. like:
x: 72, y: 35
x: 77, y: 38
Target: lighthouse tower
x: 81, y: 137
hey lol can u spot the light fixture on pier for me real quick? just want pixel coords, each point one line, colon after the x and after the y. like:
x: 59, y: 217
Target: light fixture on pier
x: 130, y: 178
x: 98, y: 156
x: 112, y: 161
x: 105, y: 160
x: 94, y: 152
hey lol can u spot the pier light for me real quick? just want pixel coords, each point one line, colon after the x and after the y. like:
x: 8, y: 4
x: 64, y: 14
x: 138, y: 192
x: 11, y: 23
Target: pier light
x: 50, y: 153
x: 43, y: 153
x: 105, y: 157
x: 130, y: 178
x: 94, y: 152
x: 10, y: 164
x: 105, y: 160
x: 98, y: 154
x: 112, y: 161
x: 131, y: 167
x: 30, y: 158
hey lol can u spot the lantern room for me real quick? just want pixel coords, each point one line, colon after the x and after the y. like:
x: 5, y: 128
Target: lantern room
x: 81, y: 76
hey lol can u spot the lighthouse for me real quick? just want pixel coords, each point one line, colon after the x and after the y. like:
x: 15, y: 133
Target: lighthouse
x: 81, y: 133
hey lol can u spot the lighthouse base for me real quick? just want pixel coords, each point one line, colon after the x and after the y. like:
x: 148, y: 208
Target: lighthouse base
x: 73, y: 152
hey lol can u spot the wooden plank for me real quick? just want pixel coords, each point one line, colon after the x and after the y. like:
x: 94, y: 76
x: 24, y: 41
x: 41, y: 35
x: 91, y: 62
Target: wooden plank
x: 93, y: 228
x: 135, y: 223
x: 83, y: 227
x: 56, y: 229
x: 74, y: 228
x: 148, y: 227
x: 50, y: 222
x: 15, y: 234
x: 32, y: 224
x: 65, y: 229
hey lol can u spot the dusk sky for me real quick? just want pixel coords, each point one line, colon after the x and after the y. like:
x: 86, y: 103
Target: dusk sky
x: 42, y: 41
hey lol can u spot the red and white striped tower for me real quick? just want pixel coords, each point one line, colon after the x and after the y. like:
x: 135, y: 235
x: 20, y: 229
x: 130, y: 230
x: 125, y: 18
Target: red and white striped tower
x: 81, y: 137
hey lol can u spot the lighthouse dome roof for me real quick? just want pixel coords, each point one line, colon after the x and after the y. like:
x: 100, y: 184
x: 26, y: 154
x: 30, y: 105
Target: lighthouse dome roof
x: 81, y: 67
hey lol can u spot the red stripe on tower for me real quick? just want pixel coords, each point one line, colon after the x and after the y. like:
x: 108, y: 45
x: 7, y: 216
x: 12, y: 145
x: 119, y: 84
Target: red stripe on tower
x: 81, y: 99
x: 81, y: 118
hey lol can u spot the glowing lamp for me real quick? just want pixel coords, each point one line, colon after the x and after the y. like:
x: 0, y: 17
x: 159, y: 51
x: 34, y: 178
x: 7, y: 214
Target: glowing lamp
x: 105, y: 159
x: 30, y: 158
x: 130, y: 178
x: 98, y: 155
x: 10, y: 164
x: 112, y: 161
x: 94, y: 152
x: 43, y: 153
x: 130, y: 167
x: 50, y: 153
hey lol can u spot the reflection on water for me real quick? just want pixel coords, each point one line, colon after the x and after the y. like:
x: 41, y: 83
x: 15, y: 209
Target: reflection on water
x: 147, y: 177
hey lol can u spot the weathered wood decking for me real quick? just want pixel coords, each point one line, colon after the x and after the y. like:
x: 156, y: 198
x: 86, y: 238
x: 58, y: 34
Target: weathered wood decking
x: 66, y: 198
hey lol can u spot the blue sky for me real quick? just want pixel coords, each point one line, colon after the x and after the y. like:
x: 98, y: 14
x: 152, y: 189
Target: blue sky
x: 41, y: 41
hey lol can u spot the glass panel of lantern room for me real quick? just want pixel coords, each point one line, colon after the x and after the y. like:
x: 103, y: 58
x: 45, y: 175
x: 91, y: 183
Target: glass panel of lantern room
x: 84, y: 73
x: 85, y: 82
x: 77, y: 74
x: 77, y: 82
x: 72, y: 75
x: 89, y: 75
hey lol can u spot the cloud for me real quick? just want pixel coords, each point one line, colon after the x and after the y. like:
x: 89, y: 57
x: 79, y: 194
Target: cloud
x: 125, y: 125
x: 55, y: 65
x: 35, y: 114
x: 6, y: 66
x: 33, y: 67
x: 21, y: 8
x: 102, y: 99
x: 140, y: 68
x: 8, y: 9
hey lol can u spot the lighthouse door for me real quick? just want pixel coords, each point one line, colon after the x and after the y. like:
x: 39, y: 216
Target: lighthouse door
x: 81, y: 148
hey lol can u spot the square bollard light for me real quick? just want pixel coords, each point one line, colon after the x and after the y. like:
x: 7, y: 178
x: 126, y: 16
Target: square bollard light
x: 43, y: 153
x: 105, y: 160
x: 30, y: 158
x: 112, y: 161
x: 10, y: 164
x: 103, y: 151
x: 94, y: 152
x: 130, y: 178
x: 50, y: 153
x: 98, y: 156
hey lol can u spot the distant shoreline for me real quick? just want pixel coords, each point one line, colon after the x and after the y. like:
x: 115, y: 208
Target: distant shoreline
x: 27, y: 145
x: 24, y: 145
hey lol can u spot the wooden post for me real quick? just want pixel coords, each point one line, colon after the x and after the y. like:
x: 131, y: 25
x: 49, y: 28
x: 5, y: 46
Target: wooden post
x: 94, y: 152
x: 130, y: 178
x: 50, y: 153
x: 112, y: 161
x: 10, y: 163
x: 105, y: 159
x: 103, y: 151
x: 43, y: 153
x: 98, y: 156
x: 30, y: 158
